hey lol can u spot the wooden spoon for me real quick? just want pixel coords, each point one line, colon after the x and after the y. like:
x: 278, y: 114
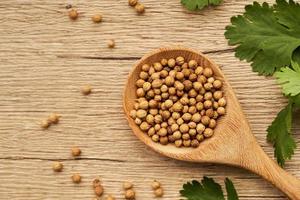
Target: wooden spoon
x: 232, y: 143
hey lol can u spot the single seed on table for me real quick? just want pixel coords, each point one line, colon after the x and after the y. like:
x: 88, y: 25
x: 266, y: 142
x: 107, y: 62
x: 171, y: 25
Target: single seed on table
x: 86, y: 90
x: 75, y: 151
x: 129, y: 194
x: 45, y: 124
x: 68, y: 6
x: 132, y: 2
x: 111, y: 43
x: 53, y: 118
x: 110, y: 197
x: 159, y: 192
x: 97, y: 18
x: 140, y: 8
x: 98, y: 190
x: 127, y: 185
x: 73, y: 14
x: 76, y: 178
x: 57, y: 166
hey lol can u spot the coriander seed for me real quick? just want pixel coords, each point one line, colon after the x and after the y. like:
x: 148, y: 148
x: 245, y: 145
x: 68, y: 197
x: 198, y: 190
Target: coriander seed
x: 140, y: 8
x: 129, y: 194
x: 127, y: 185
x: 45, y: 124
x: 111, y: 43
x: 53, y: 118
x: 86, y: 90
x: 110, y: 197
x: 76, y: 178
x: 132, y: 2
x: 159, y: 192
x: 97, y: 18
x: 57, y: 166
x: 73, y: 14
x: 75, y: 151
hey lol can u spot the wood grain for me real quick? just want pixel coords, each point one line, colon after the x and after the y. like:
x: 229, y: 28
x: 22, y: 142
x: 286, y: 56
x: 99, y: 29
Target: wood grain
x: 45, y: 59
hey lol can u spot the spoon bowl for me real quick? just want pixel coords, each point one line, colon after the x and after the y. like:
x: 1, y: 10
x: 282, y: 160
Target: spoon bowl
x: 232, y: 143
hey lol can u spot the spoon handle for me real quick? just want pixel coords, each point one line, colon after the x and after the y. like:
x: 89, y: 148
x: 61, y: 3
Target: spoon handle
x: 258, y: 162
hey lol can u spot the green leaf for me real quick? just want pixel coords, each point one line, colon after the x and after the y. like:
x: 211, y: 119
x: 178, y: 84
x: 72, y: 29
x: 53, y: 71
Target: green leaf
x: 199, y: 4
x: 289, y: 78
x: 231, y: 192
x: 279, y: 133
x: 208, y: 189
x: 288, y: 13
x: 263, y: 37
x: 295, y: 100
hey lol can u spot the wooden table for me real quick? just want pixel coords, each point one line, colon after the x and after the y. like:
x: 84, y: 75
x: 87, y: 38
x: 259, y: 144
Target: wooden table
x: 45, y: 58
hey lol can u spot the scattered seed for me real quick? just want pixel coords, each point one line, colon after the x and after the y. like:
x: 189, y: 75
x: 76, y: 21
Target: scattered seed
x: 86, y: 90
x: 132, y: 2
x: 110, y: 197
x: 45, y: 124
x: 57, y: 166
x: 140, y: 8
x: 69, y: 6
x: 97, y: 18
x: 155, y: 185
x: 76, y: 151
x: 111, y: 43
x: 73, y: 14
x: 127, y: 185
x: 129, y: 194
x: 53, y: 118
x: 76, y: 178
x: 159, y: 192
x: 98, y: 190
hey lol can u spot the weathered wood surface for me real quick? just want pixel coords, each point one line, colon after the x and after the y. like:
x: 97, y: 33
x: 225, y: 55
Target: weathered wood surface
x: 45, y: 59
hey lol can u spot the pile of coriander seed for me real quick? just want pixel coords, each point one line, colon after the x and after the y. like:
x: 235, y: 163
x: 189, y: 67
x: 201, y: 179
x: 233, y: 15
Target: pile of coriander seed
x: 178, y: 102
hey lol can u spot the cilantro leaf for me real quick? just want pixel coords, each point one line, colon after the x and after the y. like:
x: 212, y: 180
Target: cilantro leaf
x: 208, y: 189
x: 295, y: 100
x: 231, y: 192
x: 289, y: 78
x: 264, y: 37
x: 199, y: 4
x: 279, y: 133
x: 288, y: 14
